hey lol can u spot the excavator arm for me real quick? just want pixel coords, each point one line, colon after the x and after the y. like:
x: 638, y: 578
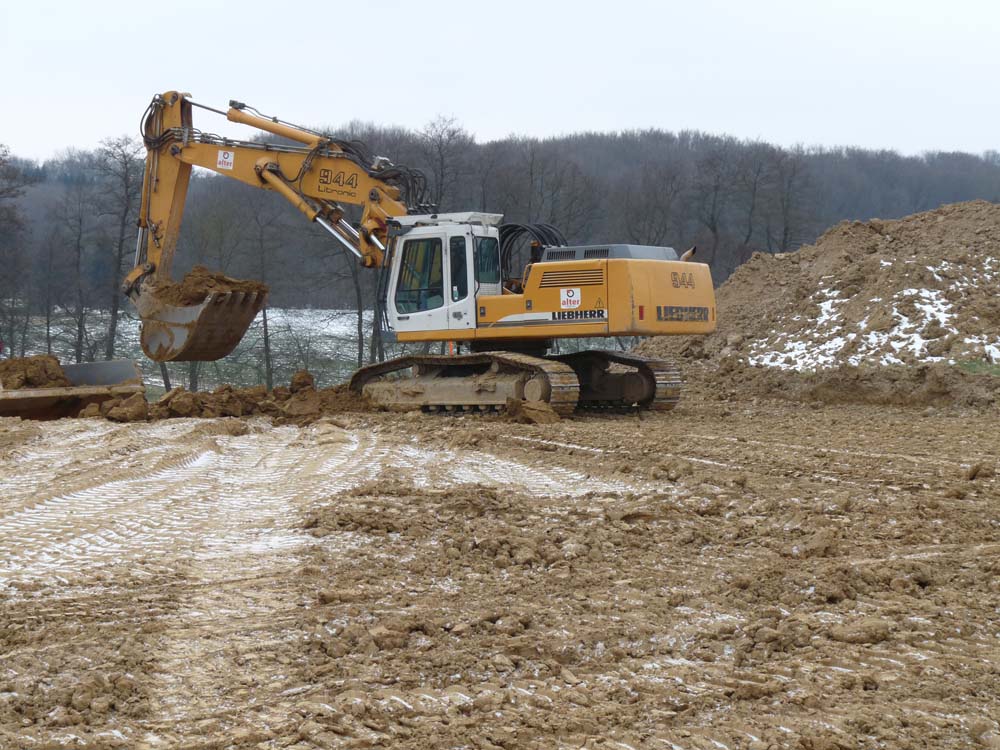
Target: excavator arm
x: 318, y: 175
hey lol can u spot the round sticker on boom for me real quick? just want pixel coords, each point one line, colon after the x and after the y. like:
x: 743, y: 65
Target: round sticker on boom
x: 569, y: 299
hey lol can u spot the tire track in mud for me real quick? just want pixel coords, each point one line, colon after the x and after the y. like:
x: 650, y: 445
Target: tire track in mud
x: 220, y: 663
x: 210, y: 670
x: 202, y: 505
x: 427, y: 467
x: 193, y: 536
x: 820, y: 459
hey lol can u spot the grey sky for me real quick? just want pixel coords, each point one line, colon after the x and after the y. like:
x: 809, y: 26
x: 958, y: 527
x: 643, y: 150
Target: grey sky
x: 907, y: 74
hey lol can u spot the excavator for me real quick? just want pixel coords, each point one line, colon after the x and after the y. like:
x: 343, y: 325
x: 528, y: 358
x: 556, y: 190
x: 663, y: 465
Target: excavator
x: 443, y: 277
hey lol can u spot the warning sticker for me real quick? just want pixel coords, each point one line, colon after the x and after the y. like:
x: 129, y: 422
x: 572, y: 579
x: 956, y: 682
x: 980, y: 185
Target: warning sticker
x: 569, y: 299
x: 225, y: 160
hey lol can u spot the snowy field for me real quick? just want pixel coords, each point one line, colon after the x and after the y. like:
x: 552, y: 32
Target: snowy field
x: 322, y: 341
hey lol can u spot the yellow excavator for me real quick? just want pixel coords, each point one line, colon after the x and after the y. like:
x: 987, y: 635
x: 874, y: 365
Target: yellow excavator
x: 443, y: 277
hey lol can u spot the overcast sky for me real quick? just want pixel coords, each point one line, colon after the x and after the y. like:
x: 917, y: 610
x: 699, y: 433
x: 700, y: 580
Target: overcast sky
x: 904, y: 74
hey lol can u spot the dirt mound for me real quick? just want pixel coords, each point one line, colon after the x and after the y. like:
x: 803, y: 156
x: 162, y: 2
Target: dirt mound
x: 885, y: 312
x: 199, y: 282
x: 915, y: 290
x: 43, y: 371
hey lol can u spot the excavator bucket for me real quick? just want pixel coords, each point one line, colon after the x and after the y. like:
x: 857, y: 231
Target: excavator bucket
x: 203, y: 332
x: 90, y: 382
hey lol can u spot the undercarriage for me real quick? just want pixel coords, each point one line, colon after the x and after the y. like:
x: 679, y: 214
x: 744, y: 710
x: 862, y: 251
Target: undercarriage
x: 485, y: 381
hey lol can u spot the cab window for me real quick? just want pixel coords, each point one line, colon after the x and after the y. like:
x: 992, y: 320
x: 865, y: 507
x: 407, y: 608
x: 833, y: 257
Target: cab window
x: 459, y: 270
x: 421, y: 278
x: 487, y: 260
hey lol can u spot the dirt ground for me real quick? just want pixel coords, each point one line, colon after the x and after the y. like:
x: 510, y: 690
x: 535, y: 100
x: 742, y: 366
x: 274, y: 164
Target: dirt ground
x: 731, y: 575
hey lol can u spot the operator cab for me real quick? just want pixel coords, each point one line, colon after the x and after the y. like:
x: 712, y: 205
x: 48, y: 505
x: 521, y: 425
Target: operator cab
x: 440, y: 265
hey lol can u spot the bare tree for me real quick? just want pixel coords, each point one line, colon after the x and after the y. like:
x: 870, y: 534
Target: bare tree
x: 751, y: 174
x: 713, y: 191
x: 788, y: 217
x: 43, y: 282
x: 445, y: 146
x: 14, y: 311
x: 13, y: 180
x: 486, y: 163
x: 264, y: 230
x: 646, y: 205
x: 120, y: 165
x: 73, y: 216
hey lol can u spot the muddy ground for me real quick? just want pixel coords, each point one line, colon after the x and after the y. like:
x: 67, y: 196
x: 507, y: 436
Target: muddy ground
x: 731, y: 575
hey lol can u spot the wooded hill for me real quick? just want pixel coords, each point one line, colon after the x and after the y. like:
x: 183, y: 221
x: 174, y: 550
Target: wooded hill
x: 67, y: 226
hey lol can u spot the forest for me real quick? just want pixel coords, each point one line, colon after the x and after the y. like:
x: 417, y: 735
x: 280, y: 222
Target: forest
x: 68, y: 224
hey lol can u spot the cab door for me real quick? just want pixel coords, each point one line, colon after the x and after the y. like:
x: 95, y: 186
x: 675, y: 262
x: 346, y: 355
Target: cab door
x: 462, y: 303
x: 420, y: 296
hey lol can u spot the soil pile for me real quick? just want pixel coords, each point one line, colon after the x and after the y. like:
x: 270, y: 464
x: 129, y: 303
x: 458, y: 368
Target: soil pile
x: 43, y: 371
x: 920, y: 289
x: 198, y: 283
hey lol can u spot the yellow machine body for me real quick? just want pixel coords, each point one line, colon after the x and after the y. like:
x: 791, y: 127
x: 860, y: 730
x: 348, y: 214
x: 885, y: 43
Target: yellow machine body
x: 614, y: 297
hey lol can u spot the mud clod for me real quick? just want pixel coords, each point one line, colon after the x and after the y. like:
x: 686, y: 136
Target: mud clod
x: 42, y: 371
x: 867, y: 630
x: 530, y: 412
x: 302, y: 380
x: 131, y: 409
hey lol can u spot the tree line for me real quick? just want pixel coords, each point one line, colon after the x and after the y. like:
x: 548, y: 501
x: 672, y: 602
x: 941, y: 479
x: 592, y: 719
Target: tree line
x: 67, y: 225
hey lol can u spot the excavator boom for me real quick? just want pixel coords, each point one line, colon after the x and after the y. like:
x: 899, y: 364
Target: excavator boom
x: 316, y: 174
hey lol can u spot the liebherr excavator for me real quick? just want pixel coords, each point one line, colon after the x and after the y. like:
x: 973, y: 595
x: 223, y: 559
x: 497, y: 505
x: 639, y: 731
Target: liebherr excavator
x: 443, y: 277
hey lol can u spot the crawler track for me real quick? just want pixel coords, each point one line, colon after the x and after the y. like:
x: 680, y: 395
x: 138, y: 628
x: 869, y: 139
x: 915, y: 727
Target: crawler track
x: 437, y: 389
x: 592, y: 380
x: 599, y: 381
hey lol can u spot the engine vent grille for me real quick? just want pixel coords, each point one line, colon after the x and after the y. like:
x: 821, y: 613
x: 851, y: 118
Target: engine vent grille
x: 561, y: 255
x: 595, y: 252
x: 589, y: 277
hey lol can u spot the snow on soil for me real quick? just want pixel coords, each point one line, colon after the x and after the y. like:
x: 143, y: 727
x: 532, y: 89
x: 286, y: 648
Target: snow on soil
x: 922, y: 289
